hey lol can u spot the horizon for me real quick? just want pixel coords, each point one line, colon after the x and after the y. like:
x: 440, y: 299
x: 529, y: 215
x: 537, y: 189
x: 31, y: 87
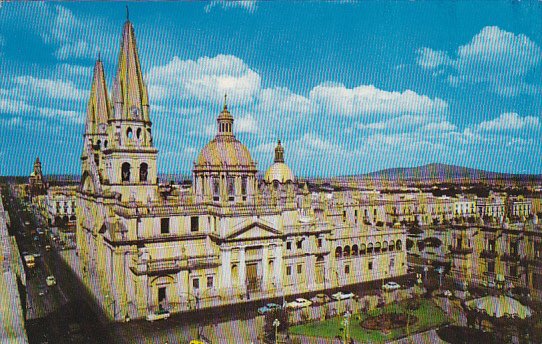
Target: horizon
x: 363, y: 87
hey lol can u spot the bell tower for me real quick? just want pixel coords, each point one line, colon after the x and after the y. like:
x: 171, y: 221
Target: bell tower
x: 130, y: 158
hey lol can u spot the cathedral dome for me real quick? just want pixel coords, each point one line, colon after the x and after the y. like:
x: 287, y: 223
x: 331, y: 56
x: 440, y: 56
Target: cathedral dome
x: 279, y: 171
x: 225, y: 152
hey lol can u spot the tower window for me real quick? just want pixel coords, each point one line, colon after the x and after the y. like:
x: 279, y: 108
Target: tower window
x: 231, y: 188
x: 244, y: 182
x: 216, y: 188
x: 164, y: 225
x: 125, y: 172
x: 138, y: 133
x: 129, y: 133
x: 194, y: 224
x: 143, y: 169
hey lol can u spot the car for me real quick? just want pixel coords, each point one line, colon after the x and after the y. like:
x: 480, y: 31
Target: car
x: 342, y: 295
x: 319, y: 299
x: 391, y: 286
x: 42, y: 290
x: 158, y: 315
x: 447, y: 293
x: 268, y: 308
x: 50, y: 280
x: 299, y: 303
x: 48, y: 247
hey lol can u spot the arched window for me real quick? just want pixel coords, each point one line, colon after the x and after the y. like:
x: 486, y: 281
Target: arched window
x: 398, y: 245
x: 234, y: 273
x: 391, y: 246
x: 363, y: 249
x: 129, y: 133
x: 143, y: 171
x: 384, y: 246
x: 105, y: 144
x: 346, y: 251
x: 125, y: 172
x: 138, y: 133
x: 338, y: 252
x: 354, y: 250
x: 370, y: 248
x: 99, y: 144
x: 377, y: 247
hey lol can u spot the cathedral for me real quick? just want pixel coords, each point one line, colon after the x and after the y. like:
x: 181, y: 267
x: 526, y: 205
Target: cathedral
x: 233, y: 237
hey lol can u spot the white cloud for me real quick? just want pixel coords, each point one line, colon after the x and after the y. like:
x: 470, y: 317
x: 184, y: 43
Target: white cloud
x: 509, y: 121
x: 206, y: 79
x: 247, y: 5
x: 78, y: 49
x: 367, y: 100
x: 55, y: 89
x: 494, y: 56
x: 62, y: 27
x: 440, y: 126
x: 246, y: 124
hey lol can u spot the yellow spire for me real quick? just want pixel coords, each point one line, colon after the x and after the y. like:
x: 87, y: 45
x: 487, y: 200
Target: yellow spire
x: 98, y: 104
x: 130, y: 92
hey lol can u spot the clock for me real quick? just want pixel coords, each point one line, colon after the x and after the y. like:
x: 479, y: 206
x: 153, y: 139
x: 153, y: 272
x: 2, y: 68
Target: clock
x: 134, y: 110
x: 102, y: 127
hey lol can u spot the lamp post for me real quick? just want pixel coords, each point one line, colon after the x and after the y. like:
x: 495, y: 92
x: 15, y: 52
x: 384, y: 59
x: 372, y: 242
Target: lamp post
x: 440, y: 270
x: 346, y: 324
x: 276, y: 324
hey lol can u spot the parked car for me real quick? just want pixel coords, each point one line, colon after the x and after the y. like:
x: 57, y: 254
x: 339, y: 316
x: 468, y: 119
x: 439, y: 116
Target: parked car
x: 42, y: 290
x: 447, y: 293
x: 319, y: 299
x: 299, y: 303
x: 391, y: 286
x: 36, y: 255
x: 342, y: 295
x: 158, y: 315
x: 51, y: 281
x: 268, y: 308
x: 48, y: 247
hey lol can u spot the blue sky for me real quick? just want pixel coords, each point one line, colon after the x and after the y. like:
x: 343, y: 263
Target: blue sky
x: 348, y: 87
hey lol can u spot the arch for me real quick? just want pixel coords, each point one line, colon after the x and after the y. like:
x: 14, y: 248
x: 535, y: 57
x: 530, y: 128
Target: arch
x: 319, y: 259
x: 370, y: 248
x: 125, y: 172
x: 162, y: 279
x: 346, y: 252
x: 363, y: 249
x: 398, y: 245
x: 391, y: 246
x: 234, y: 273
x: 72, y: 218
x: 99, y: 144
x: 106, y: 144
x: 338, y: 252
x: 384, y: 246
x: 143, y: 172
x: 377, y: 247
x: 354, y: 250
x: 138, y: 133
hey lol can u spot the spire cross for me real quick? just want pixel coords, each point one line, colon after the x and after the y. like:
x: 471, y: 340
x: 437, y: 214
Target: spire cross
x: 225, y: 101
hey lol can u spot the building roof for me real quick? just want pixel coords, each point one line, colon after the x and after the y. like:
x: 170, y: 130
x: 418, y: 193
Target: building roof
x: 280, y: 172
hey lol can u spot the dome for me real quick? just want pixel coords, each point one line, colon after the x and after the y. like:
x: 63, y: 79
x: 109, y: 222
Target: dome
x: 225, y: 152
x: 279, y: 171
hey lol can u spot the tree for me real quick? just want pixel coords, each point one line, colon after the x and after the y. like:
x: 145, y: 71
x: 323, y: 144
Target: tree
x: 269, y: 329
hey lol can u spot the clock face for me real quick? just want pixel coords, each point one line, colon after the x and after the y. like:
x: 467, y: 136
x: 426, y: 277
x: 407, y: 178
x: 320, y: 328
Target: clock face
x: 102, y: 127
x: 134, y: 110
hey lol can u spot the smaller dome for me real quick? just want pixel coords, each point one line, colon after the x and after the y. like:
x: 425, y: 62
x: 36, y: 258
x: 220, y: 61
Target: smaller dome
x: 280, y: 172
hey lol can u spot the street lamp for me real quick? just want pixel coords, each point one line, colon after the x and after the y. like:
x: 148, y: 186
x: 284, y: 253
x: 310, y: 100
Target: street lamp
x: 346, y: 324
x: 440, y: 270
x: 276, y: 324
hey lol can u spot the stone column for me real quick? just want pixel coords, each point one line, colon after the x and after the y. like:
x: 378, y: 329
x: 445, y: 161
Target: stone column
x: 265, y: 266
x: 278, y: 266
x: 242, y: 268
x: 226, y: 268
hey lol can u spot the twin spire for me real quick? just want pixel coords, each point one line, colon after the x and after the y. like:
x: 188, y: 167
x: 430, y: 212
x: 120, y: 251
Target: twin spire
x: 130, y: 98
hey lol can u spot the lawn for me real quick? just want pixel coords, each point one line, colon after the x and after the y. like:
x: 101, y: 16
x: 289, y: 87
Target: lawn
x: 428, y: 314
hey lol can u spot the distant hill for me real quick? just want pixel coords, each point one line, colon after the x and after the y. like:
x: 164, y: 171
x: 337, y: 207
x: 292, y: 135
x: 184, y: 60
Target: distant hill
x: 443, y: 173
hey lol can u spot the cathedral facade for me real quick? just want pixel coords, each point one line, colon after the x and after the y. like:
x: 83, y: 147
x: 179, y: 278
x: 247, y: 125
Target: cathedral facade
x: 232, y: 237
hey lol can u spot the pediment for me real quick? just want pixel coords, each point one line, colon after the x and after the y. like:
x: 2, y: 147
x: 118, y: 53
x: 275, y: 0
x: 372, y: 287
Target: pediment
x: 255, y: 230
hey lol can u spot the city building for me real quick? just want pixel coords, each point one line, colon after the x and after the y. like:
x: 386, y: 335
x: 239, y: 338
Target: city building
x: 36, y: 183
x: 145, y: 247
x: 12, y: 324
